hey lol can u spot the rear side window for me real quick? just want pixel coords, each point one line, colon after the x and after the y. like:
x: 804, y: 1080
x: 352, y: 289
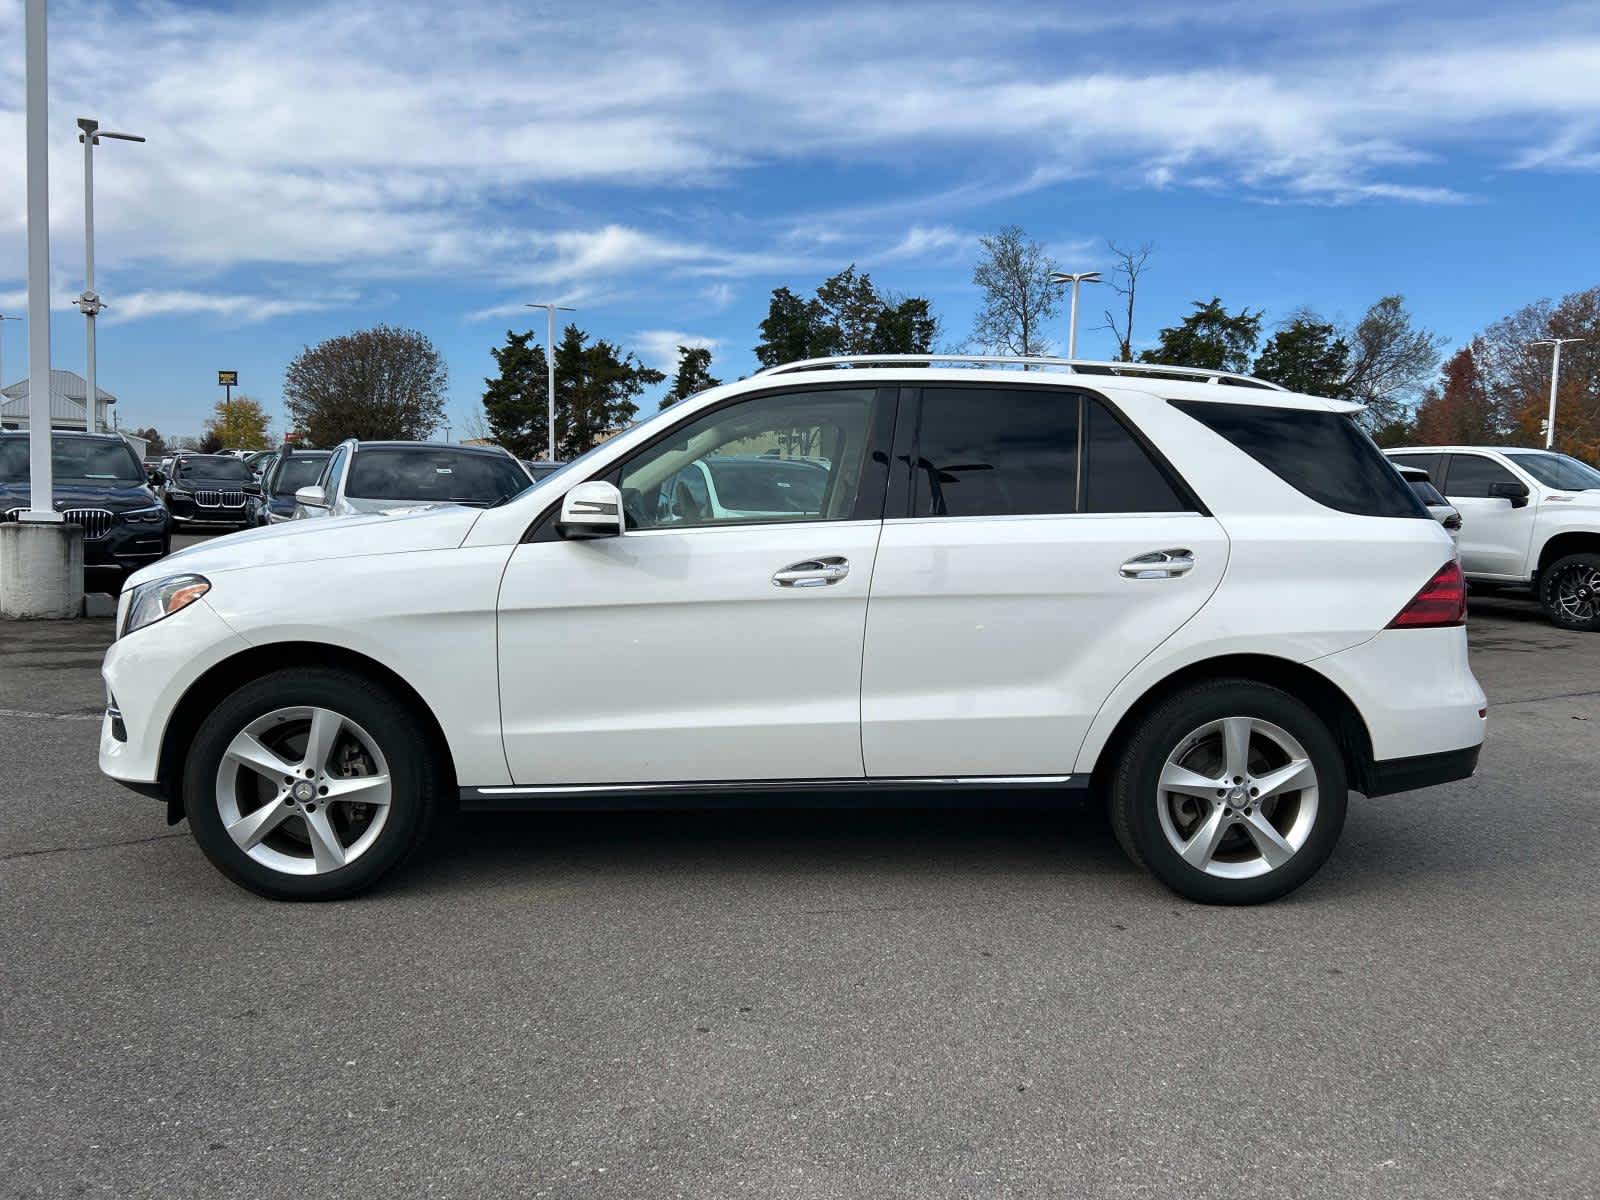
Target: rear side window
x: 1119, y: 476
x: 996, y: 452
x: 1433, y: 464
x: 1471, y: 474
x: 1322, y: 455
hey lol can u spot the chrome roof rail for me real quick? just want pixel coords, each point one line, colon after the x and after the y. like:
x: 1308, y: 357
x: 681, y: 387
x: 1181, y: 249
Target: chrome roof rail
x: 1078, y: 366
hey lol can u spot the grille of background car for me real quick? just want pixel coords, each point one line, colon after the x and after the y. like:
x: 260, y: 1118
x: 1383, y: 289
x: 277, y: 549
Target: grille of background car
x: 96, y: 522
x: 215, y: 499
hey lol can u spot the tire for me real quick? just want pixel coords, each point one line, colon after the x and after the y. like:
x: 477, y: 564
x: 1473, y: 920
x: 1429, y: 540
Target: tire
x: 1232, y: 858
x: 1569, y: 590
x: 363, y: 799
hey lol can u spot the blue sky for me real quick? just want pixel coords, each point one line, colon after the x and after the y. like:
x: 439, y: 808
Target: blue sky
x: 313, y: 168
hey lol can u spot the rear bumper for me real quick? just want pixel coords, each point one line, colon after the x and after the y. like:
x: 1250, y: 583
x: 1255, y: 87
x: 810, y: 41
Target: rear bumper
x: 1391, y: 775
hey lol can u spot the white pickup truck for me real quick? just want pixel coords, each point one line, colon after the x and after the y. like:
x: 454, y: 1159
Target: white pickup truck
x: 1528, y: 517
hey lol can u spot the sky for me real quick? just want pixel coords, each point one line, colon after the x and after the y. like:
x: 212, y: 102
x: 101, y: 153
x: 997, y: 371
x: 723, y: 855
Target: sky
x: 312, y: 169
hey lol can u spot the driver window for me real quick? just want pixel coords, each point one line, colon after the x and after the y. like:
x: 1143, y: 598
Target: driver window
x: 789, y: 457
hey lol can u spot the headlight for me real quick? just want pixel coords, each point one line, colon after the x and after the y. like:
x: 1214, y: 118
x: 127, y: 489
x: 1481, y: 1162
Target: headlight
x: 152, y: 601
x: 137, y: 515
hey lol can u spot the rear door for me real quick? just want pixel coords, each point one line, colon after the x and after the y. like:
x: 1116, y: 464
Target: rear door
x: 1495, y: 535
x: 1040, y: 551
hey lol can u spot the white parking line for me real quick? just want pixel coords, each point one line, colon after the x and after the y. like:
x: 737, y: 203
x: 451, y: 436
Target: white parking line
x: 23, y: 715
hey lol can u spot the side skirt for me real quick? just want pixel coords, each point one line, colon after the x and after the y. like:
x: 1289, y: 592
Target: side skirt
x: 981, y: 791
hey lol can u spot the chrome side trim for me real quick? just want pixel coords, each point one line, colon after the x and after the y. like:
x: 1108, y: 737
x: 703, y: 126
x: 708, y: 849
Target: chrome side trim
x: 510, y: 795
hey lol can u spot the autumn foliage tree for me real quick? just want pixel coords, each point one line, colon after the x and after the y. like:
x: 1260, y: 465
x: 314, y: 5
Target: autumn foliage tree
x: 1461, y: 407
x: 379, y: 383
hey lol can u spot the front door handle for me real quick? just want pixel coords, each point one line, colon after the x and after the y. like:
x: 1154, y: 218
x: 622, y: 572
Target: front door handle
x: 813, y: 572
x: 1159, y: 564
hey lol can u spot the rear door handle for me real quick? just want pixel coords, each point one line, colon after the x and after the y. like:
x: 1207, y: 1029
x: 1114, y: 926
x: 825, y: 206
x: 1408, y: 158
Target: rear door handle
x: 1159, y: 564
x: 813, y: 572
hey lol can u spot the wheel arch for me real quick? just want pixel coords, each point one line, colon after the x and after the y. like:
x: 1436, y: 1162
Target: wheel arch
x: 1572, y: 541
x: 233, y: 672
x: 1305, y: 683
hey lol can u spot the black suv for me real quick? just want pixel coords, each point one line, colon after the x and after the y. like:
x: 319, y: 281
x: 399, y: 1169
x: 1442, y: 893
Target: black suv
x: 211, y: 489
x: 99, y: 484
x: 284, y: 474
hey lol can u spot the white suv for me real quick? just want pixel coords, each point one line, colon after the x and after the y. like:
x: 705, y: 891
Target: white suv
x: 1206, y: 600
x: 1528, y: 518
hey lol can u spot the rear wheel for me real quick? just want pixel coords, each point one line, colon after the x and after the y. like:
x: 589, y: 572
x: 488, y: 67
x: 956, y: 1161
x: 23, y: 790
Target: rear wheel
x: 309, y: 785
x: 1569, y: 589
x: 1232, y: 793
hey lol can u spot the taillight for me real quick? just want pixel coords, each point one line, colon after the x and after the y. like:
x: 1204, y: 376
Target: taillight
x: 1441, y: 602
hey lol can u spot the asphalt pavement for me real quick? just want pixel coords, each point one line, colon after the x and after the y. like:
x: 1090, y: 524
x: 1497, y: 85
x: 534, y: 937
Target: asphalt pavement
x: 799, y: 1004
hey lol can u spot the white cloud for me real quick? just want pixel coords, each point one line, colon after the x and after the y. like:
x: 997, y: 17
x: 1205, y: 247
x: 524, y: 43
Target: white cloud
x: 658, y: 348
x: 719, y: 295
x: 240, y: 309
x: 930, y: 241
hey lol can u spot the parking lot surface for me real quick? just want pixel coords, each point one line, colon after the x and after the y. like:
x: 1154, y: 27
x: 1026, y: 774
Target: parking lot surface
x: 830, y: 1004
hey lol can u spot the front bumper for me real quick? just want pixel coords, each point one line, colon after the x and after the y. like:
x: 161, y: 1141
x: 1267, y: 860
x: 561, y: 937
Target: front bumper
x: 128, y: 546
x: 185, y: 511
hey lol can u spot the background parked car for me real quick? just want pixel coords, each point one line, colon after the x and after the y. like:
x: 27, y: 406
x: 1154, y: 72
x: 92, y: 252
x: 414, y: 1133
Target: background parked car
x: 1530, y: 518
x: 210, y: 489
x: 285, y: 473
x: 382, y: 476
x: 101, y: 485
x: 538, y: 470
x: 258, y: 460
x: 1440, y: 509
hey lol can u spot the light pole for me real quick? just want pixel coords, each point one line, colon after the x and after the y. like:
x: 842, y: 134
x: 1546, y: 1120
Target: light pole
x: 550, y: 310
x: 3, y: 320
x: 1074, y: 278
x: 1555, y: 377
x: 90, y: 304
x: 42, y: 490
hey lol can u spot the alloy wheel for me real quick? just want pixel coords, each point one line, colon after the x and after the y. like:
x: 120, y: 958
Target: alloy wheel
x: 1237, y: 797
x: 303, y: 790
x: 1575, y: 593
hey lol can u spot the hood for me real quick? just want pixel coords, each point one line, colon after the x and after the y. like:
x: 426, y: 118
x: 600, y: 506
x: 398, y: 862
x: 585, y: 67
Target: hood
x: 118, y: 497
x: 362, y: 505
x: 317, y: 540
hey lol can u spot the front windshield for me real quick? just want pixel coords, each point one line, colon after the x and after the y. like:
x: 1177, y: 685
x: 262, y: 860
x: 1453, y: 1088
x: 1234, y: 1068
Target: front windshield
x: 430, y: 473
x: 1427, y: 493
x: 1557, y: 470
x: 296, y: 473
x: 220, y: 468
x: 74, y: 460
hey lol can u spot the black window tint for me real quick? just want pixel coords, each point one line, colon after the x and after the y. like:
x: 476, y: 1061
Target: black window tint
x: 1322, y: 455
x: 1471, y: 475
x: 434, y: 473
x: 1119, y: 476
x: 985, y: 452
x: 1426, y: 492
x: 292, y: 474
x: 1433, y: 464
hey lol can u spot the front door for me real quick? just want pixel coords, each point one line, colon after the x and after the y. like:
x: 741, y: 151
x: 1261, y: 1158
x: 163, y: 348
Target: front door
x: 720, y: 637
x: 1495, y: 535
x: 1046, y: 553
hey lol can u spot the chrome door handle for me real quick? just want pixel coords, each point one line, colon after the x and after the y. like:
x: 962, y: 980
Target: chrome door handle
x: 813, y: 572
x: 1159, y: 564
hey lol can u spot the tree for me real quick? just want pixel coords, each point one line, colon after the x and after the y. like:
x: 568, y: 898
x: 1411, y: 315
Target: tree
x: 1209, y: 337
x: 1018, y: 297
x: 1518, y: 372
x: 1306, y: 355
x: 693, y: 374
x: 155, y: 444
x: 379, y: 383
x: 1460, y: 408
x: 848, y: 315
x: 595, y: 391
x: 1390, y: 361
x: 1130, y: 265
x: 238, y: 424
x: 207, y: 443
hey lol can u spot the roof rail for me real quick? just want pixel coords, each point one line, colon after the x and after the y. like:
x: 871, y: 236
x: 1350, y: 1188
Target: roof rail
x: 1077, y: 366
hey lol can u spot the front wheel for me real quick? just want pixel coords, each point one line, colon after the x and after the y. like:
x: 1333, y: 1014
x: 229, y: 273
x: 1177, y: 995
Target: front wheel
x: 1569, y: 590
x: 1231, y: 793
x: 309, y: 784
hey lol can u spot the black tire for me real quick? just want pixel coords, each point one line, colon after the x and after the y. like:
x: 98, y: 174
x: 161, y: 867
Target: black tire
x: 1135, y: 799
x: 1569, y: 591
x: 415, y: 779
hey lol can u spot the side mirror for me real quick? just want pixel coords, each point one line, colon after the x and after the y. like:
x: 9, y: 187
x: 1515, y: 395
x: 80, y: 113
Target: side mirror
x: 591, y: 510
x: 251, y: 489
x: 311, y: 496
x: 158, y: 477
x: 1513, y: 490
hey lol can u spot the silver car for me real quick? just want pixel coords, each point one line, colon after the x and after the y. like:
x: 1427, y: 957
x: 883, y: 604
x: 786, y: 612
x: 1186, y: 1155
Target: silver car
x: 365, y: 477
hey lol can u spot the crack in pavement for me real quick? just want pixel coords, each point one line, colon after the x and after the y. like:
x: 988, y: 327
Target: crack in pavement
x: 156, y: 837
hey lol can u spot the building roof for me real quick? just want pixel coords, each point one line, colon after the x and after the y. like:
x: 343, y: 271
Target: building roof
x: 68, y: 391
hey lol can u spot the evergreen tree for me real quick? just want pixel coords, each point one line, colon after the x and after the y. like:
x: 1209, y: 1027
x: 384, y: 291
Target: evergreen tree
x: 1306, y: 355
x: 693, y: 374
x: 1209, y: 337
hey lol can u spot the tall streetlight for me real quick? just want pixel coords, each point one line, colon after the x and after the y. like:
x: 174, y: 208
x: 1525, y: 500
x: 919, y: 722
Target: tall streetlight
x: 3, y: 320
x: 1075, y: 278
x: 41, y: 492
x: 1555, y: 377
x: 90, y: 304
x: 550, y: 311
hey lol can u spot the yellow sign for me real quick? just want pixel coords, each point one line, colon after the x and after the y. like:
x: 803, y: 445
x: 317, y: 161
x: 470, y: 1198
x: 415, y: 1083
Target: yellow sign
x: 227, y: 379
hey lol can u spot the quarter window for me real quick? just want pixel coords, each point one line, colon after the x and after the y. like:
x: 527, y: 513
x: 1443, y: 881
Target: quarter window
x: 1119, y: 476
x: 789, y: 457
x: 1471, y: 474
x: 992, y: 452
